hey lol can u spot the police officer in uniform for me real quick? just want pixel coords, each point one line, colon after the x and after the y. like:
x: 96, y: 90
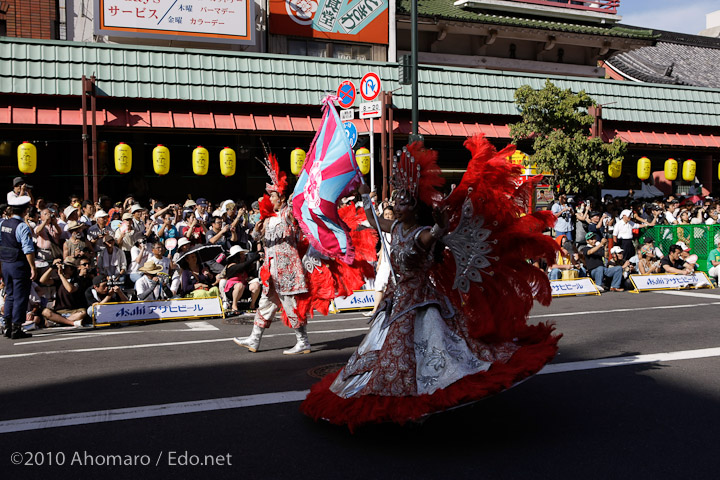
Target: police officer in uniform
x: 17, y: 256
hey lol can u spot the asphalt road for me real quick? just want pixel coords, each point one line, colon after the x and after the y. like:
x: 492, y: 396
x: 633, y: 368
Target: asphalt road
x: 633, y: 394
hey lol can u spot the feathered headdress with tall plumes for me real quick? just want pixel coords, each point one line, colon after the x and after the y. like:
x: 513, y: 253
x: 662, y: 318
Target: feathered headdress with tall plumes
x: 416, y: 174
x: 278, y: 178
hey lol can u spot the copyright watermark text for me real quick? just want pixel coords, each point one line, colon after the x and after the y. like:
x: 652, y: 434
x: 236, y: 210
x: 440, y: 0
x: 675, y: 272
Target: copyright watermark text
x: 84, y: 458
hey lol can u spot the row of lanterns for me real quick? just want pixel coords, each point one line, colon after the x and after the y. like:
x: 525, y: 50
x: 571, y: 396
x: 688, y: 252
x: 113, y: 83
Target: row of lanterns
x: 27, y: 159
x: 644, y: 168
x: 297, y: 160
x: 161, y: 160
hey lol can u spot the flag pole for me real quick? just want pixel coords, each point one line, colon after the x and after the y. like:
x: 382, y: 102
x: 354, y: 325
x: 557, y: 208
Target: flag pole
x: 385, y: 248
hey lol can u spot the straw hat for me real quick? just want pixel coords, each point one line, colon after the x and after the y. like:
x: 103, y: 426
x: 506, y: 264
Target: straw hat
x: 151, y: 267
x: 73, y: 225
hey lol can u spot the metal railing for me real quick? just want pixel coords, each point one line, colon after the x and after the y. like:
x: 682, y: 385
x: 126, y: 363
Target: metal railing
x: 699, y: 238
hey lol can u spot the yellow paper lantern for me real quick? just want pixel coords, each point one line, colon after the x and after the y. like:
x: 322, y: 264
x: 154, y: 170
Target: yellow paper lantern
x: 123, y: 158
x: 161, y: 160
x: 297, y: 161
x: 671, y: 169
x: 643, y: 168
x: 688, y: 171
x: 615, y: 169
x: 227, y: 162
x: 27, y: 157
x: 362, y: 157
x: 200, y: 159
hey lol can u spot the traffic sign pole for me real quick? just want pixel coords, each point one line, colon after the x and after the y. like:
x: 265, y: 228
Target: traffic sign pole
x: 372, y: 154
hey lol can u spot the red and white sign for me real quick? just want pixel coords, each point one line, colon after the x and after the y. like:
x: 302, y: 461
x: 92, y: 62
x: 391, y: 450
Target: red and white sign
x: 371, y: 109
x: 370, y: 86
x: 346, y: 94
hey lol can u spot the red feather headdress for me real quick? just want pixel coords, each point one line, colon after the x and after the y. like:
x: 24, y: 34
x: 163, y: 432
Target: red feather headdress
x: 278, y: 178
x: 416, y: 174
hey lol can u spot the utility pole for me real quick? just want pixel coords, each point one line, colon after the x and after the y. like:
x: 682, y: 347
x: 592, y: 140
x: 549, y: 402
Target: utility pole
x: 414, y: 76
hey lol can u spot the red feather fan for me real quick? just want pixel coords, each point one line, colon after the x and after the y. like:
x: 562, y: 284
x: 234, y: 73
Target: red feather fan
x: 495, y: 309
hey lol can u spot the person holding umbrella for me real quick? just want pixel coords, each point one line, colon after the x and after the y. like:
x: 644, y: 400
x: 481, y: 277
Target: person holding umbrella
x: 197, y: 280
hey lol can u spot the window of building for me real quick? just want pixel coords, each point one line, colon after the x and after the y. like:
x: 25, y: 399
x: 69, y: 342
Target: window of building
x: 346, y: 51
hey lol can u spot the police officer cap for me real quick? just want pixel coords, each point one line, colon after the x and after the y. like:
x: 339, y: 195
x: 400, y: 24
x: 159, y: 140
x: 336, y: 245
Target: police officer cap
x: 19, y: 201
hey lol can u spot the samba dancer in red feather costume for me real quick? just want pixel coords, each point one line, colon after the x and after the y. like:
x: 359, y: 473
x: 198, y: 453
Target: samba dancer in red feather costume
x: 452, y: 328
x: 282, y: 275
x: 296, y: 279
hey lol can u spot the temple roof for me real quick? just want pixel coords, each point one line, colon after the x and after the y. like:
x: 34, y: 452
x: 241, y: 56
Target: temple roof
x: 448, y: 10
x: 676, y: 58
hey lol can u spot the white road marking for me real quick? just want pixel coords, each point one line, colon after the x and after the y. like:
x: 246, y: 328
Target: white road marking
x: 152, y: 345
x: 85, y: 335
x: 685, y: 293
x: 200, y: 326
x: 617, y: 310
x: 630, y: 360
x: 150, y: 411
x: 133, y: 413
x: 192, y: 327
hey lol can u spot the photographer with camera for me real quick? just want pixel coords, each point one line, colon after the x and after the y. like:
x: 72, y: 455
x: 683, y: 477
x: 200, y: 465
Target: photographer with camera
x: 71, y: 278
x: 111, y: 260
x: 582, y: 221
x: 153, y: 284
x: 48, y: 237
x: 166, y: 229
x: 20, y: 189
x: 102, y: 291
x: 565, y: 224
x: 139, y: 254
x: 648, y: 263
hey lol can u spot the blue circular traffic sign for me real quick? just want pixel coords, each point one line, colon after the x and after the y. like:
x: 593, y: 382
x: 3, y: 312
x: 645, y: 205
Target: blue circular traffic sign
x: 350, y: 132
x: 346, y: 94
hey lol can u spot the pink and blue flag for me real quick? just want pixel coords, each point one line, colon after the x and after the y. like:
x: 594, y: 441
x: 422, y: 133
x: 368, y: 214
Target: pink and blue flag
x: 330, y: 172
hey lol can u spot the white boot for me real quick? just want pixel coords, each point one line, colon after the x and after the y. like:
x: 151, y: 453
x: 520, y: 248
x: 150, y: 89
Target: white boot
x: 302, y: 345
x: 253, y: 341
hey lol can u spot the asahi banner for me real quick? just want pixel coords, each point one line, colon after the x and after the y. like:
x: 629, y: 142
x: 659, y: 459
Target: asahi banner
x: 174, y: 309
x: 578, y: 286
x: 670, y: 281
x: 349, y: 20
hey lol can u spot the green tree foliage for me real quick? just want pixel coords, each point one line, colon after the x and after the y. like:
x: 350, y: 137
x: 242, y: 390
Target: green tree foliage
x: 556, y: 127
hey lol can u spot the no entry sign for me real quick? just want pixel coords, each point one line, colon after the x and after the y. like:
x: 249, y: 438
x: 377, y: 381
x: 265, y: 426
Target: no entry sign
x: 346, y: 94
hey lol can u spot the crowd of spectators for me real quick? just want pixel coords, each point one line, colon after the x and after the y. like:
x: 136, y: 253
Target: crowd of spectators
x: 107, y: 251
x: 608, y: 239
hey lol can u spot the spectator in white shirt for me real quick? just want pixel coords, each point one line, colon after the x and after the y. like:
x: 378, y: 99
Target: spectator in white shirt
x: 150, y: 286
x: 671, y: 210
x: 623, y: 232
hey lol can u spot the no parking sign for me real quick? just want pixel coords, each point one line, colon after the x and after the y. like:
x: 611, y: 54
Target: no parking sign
x: 346, y: 94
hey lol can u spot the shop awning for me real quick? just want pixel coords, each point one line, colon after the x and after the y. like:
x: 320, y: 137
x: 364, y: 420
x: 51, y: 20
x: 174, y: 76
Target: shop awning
x: 155, y: 118
x: 225, y: 121
x: 672, y: 139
